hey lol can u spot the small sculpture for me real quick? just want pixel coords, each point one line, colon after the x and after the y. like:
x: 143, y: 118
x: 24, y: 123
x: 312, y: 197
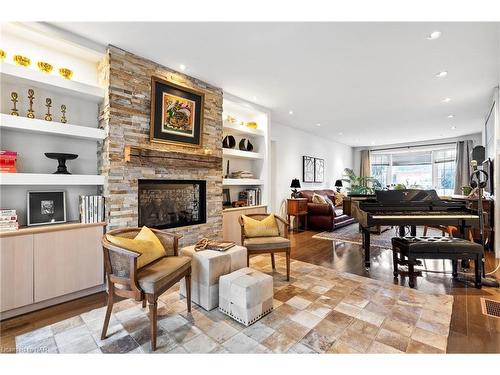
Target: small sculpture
x: 63, y: 111
x: 14, y: 99
x: 245, y: 145
x: 228, y: 142
x: 31, y: 96
x: 61, y: 159
x: 48, y: 104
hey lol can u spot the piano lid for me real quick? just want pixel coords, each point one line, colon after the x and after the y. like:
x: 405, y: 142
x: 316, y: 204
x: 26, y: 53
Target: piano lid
x: 406, y: 196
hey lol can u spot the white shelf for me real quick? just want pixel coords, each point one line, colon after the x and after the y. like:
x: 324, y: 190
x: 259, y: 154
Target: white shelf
x: 242, y: 130
x: 232, y: 153
x: 14, y: 74
x: 49, y: 179
x: 241, y: 181
x: 24, y: 124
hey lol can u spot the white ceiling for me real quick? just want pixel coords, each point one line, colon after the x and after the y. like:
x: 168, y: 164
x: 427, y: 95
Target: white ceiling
x: 365, y: 83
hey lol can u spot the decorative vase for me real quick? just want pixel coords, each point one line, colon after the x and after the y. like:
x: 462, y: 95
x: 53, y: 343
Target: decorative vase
x: 228, y: 142
x: 61, y: 159
x: 22, y: 60
x: 466, y: 190
x: 66, y: 73
x: 44, y: 67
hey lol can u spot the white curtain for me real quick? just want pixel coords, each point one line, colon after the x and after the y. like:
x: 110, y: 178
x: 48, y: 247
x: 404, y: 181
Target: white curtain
x: 463, y: 168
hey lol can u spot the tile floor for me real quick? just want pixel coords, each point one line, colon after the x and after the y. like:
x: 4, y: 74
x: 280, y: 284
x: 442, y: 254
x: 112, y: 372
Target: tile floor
x: 319, y: 311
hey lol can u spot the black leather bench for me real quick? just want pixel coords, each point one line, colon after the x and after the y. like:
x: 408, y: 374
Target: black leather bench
x: 414, y: 248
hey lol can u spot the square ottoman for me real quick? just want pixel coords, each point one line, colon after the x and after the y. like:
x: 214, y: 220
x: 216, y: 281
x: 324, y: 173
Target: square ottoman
x: 207, y: 266
x: 246, y: 295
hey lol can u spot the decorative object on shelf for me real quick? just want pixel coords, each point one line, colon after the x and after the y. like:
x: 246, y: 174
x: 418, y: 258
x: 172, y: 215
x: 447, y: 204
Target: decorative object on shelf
x: 44, y: 67
x: 46, y: 207
x: 319, y: 170
x: 22, y: 60
x: 61, y: 158
x: 227, y: 170
x: 229, y: 142
x: 8, y: 220
x: 3, y: 55
x: 307, y: 169
x: 63, y: 112
x: 176, y: 114
x: 239, y: 203
x: 226, y: 198
x: 48, y: 104
x: 66, y: 73
x: 466, y: 190
x: 338, y: 185
x: 8, y: 161
x: 14, y: 99
x: 251, y: 124
x: 245, y: 145
x: 294, y: 185
x: 242, y: 174
x: 206, y: 244
x: 31, y: 96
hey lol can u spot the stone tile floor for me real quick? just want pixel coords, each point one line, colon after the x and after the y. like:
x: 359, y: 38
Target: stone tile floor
x: 319, y: 311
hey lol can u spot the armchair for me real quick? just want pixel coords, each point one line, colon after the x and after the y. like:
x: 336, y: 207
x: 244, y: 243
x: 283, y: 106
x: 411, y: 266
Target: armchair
x: 268, y: 245
x: 124, y: 279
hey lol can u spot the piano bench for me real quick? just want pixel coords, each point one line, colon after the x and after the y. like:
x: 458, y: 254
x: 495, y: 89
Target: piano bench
x: 455, y: 249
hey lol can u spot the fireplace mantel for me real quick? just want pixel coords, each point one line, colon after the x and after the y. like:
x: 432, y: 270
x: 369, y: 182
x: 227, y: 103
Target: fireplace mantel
x: 147, y: 156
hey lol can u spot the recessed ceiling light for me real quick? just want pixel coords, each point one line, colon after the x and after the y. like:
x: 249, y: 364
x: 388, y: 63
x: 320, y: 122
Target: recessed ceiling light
x: 446, y: 100
x: 372, y: 142
x: 434, y: 35
x: 254, y: 98
x: 318, y: 124
x: 290, y: 112
x: 340, y: 133
x: 453, y: 127
x: 451, y: 116
x: 182, y: 67
x: 442, y: 74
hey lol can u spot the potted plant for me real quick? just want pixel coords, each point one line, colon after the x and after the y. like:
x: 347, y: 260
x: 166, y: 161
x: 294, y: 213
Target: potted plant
x: 360, y: 185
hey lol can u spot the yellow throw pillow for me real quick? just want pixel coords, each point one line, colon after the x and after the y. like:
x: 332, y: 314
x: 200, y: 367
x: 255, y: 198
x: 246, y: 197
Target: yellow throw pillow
x: 145, y: 243
x: 339, y: 199
x: 318, y: 199
x: 261, y: 228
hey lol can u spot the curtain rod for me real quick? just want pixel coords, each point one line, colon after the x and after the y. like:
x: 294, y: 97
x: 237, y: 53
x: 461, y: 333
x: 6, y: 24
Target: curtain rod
x: 408, y: 147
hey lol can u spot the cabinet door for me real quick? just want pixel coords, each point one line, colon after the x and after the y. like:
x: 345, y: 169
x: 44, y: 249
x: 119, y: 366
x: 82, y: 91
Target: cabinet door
x: 16, y: 271
x: 67, y: 261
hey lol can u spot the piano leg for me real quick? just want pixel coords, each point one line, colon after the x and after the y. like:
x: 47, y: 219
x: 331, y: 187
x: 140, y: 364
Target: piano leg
x: 366, y: 246
x: 401, y: 231
x: 413, y: 230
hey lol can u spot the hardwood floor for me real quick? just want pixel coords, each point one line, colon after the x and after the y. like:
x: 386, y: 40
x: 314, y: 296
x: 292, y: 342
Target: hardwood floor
x: 471, y: 331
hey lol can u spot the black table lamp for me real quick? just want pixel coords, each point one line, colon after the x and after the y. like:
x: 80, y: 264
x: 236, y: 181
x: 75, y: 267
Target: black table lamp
x: 295, y: 185
x: 338, y: 185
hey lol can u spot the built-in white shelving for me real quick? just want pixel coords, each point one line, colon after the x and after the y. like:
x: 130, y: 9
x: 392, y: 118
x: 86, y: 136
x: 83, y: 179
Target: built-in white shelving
x: 229, y: 152
x: 242, y: 130
x: 49, y: 179
x: 242, y: 181
x: 18, y: 74
x: 24, y: 124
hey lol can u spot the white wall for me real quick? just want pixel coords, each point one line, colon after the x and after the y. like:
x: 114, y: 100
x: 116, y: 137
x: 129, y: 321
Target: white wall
x: 288, y: 145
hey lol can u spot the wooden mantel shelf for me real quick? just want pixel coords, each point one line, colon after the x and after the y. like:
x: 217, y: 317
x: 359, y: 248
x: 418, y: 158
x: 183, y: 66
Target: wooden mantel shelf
x: 148, y: 156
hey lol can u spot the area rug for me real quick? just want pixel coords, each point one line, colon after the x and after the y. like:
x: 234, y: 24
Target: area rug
x: 319, y: 311
x: 351, y: 234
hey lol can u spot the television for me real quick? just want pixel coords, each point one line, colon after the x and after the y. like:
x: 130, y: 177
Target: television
x: 488, y: 168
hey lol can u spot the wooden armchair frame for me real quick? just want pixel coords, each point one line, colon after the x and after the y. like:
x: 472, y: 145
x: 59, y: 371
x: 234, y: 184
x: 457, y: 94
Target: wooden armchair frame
x: 121, y: 269
x: 283, y: 226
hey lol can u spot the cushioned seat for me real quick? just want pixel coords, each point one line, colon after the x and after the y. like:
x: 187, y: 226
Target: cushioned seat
x: 262, y: 243
x: 437, y: 245
x: 154, y: 276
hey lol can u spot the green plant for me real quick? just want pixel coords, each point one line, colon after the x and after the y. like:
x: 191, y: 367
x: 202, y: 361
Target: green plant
x: 360, y: 185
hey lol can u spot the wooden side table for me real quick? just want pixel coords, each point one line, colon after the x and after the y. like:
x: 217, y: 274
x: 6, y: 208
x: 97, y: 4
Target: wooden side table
x: 297, y: 207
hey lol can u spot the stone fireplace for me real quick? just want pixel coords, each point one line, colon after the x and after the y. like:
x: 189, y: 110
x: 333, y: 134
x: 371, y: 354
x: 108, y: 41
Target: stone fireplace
x: 171, y: 203
x: 130, y: 162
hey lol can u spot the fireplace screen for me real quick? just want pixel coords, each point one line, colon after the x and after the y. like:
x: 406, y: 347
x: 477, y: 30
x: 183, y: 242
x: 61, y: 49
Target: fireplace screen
x: 171, y: 203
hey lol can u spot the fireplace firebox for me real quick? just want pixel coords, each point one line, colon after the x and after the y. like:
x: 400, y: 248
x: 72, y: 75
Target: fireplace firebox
x: 171, y: 203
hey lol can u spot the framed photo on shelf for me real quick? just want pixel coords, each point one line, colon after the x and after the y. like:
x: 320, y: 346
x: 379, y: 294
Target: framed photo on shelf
x: 307, y: 168
x: 176, y: 114
x: 319, y: 170
x: 46, y: 207
x: 226, y: 198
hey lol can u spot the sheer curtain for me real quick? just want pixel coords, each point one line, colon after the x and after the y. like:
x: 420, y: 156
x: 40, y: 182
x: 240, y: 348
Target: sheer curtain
x: 463, y: 170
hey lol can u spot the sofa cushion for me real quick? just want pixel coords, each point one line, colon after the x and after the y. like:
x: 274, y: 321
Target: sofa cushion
x: 318, y: 199
x: 260, y: 228
x: 156, y: 276
x: 266, y: 243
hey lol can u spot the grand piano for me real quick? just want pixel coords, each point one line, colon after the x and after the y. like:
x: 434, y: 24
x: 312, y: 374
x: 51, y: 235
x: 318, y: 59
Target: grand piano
x: 410, y: 207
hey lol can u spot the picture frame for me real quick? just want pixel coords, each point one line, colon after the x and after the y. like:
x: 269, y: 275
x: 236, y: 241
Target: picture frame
x: 319, y: 170
x: 226, y: 198
x: 46, y: 207
x: 176, y: 114
x: 307, y: 168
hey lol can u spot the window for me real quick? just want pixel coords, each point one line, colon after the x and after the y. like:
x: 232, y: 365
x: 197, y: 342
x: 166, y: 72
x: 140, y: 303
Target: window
x: 417, y: 167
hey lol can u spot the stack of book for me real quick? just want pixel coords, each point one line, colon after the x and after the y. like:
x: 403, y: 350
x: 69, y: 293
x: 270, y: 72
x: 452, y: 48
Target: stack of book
x: 8, y: 161
x: 251, y: 196
x: 8, y: 220
x: 91, y: 209
x: 242, y: 174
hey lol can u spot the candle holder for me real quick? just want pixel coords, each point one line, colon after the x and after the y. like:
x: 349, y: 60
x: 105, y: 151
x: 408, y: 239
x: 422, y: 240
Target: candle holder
x: 63, y: 111
x: 31, y: 96
x: 14, y: 99
x: 22, y: 60
x: 44, y: 67
x: 48, y: 104
x: 66, y: 73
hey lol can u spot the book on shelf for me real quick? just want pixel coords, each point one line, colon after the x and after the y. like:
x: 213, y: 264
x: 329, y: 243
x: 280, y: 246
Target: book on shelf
x: 8, y: 220
x: 8, y: 161
x: 91, y: 209
x: 251, y: 196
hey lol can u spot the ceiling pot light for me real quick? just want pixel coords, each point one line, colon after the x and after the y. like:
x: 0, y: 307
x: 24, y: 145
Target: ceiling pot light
x: 290, y: 112
x: 453, y: 128
x: 446, y: 100
x: 434, y: 35
x: 254, y: 98
x: 318, y: 124
x: 182, y: 67
x: 451, y: 116
x: 340, y: 133
x: 442, y: 74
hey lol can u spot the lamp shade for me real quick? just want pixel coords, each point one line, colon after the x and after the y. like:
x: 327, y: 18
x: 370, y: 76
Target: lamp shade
x: 295, y: 183
x: 338, y: 183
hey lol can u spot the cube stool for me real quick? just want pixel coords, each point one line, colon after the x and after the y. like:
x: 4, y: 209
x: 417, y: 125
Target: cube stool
x: 246, y: 295
x: 207, y: 266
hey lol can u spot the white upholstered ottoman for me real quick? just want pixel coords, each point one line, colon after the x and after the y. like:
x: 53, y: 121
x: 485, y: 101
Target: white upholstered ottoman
x: 246, y: 295
x: 207, y: 266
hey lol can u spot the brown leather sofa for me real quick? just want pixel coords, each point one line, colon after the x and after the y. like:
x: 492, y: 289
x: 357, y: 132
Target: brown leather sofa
x: 324, y: 216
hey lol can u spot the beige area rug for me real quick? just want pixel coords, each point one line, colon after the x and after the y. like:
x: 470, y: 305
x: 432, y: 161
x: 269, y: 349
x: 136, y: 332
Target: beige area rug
x: 351, y: 234
x: 319, y: 311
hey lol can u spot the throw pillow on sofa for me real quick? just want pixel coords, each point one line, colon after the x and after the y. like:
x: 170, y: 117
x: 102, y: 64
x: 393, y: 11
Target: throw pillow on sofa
x: 318, y: 199
x: 339, y: 199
